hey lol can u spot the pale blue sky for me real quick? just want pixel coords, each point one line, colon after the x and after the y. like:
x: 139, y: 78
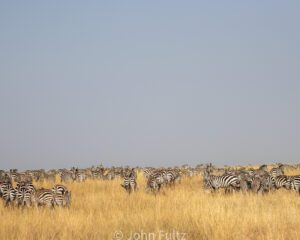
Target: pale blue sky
x: 148, y: 83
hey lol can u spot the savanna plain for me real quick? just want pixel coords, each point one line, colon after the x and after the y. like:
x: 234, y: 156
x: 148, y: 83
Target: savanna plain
x: 104, y: 210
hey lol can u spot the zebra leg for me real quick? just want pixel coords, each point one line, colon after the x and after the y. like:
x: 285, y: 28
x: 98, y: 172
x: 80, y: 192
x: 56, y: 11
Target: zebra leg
x: 6, y: 203
x: 227, y: 190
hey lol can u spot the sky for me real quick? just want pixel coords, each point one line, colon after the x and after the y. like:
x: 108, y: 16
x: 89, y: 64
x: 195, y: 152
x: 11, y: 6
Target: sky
x: 148, y: 83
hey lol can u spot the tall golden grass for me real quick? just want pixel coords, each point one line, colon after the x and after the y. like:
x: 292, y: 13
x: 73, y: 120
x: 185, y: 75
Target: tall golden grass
x: 100, y: 208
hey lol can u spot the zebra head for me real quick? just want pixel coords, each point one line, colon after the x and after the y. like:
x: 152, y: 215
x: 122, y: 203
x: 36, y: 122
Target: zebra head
x: 206, y: 180
x: 67, y: 198
x: 288, y: 183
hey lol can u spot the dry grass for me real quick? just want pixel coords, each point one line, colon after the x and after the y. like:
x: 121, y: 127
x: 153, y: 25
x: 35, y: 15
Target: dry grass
x: 99, y: 208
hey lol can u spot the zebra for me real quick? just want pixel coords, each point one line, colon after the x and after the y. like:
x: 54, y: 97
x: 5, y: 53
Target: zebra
x: 62, y: 200
x: 24, y: 192
x: 262, y: 170
x: 169, y: 177
x: 263, y: 183
x: 245, y: 181
x: 277, y: 171
x: 225, y: 181
x: 282, y: 181
x: 67, y: 176
x: 62, y: 196
x: 148, y: 172
x: 130, y: 184
x: 24, y: 196
x: 295, y: 183
x: 43, y: 197
x: 59, y: 189
x: 155, y: 179
x: 80, y: 176
x: 153, y: 184
x: 209, y: 168
x: 97, y: 173
x: 158, y: 175
x: 8, y: 193
x: 3, y: 185
x: 13, y: 174
x: 255, y: 182
x: 263, y: 167
x: 249, y: 172
x: 6, y: 179
x: 28, y: 185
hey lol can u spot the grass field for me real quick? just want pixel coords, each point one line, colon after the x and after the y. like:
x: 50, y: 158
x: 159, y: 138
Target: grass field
x: 103, y: 210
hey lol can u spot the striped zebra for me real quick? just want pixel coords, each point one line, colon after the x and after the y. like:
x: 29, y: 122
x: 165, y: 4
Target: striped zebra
x: 24, y: 192
x: 62, y: 200
x: 28, y: 185
x: 130, y: 183
x: 24, y: 196
x: 225, y: 181
x: 263, y: 183
x: 97, y: 173
x: 268, y: 183
x: 8, y: 193
x: 153, y: 184
x: 159, y: 177
x: 277, y: 171
x: 169, y: 177
x: 6, y: 179
x: 43, y: 197
x: 62, y: 196
x: 262, y: 170
x: 295, y: 183
x: 263, y: 167
x: 148, y: 172
x: 3, y: 185
x: 59, y: 189
x: 13, y: 173
x: 156, y: 179
x: 282, y: 181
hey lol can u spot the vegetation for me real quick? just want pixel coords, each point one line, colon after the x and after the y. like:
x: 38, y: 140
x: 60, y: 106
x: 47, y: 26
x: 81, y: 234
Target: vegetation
x: 100, y: 208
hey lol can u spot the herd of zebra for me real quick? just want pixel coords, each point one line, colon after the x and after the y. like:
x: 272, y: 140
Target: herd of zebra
x: 26, y: 194
x: 156, y: 178
x: 260, y: 180
x: 231, y: 179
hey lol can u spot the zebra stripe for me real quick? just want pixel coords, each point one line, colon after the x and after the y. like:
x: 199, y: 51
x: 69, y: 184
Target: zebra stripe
x: 295, y: 183
x: 8, y: 193
x: 282, y: 181
x: 43, y: 197
x: 277, y: 171
x: 24, y: 196
x: 225, y: 181
x: 59, y: 189
x: 63, y: 200
x: 153, y: 184
x: 129, y: 183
